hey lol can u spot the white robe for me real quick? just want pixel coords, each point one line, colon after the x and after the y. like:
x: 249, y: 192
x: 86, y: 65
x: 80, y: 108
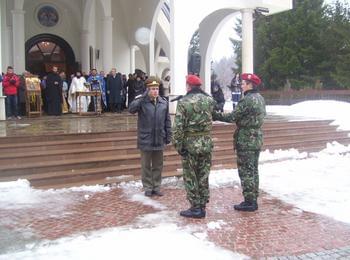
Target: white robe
x: 78, y: 85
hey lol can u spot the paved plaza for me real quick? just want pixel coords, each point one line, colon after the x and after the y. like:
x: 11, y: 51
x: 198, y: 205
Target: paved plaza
x: 276, y: 231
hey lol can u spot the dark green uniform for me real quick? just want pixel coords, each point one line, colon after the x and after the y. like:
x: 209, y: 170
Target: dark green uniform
x: 192, y: 139
x: 248, y: 139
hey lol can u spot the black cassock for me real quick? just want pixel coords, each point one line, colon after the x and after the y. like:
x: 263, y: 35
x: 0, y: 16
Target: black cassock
x: 53, y: 93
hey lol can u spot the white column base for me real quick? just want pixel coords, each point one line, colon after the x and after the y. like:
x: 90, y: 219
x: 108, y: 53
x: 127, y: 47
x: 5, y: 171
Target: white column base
x: 172, y: 105
x: 2, y: 108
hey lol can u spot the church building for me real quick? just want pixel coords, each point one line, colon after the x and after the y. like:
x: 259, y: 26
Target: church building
x: 152, y: 35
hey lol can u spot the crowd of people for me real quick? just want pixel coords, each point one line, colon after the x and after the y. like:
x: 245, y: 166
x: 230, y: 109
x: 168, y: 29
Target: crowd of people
x: 59, y: 91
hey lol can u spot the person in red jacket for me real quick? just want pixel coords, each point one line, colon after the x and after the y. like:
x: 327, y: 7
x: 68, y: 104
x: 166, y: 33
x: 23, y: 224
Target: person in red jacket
x: 10, y: 85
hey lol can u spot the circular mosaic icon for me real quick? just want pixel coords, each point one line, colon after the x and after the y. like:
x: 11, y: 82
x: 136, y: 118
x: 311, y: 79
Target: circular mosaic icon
x: 48, y: 16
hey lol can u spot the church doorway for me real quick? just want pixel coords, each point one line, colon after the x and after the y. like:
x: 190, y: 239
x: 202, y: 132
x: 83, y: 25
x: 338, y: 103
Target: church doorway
x: 44, y: 51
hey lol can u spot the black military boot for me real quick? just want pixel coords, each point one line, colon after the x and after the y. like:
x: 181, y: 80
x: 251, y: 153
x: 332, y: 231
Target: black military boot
x: 246, y: 206
x: 193, y: 212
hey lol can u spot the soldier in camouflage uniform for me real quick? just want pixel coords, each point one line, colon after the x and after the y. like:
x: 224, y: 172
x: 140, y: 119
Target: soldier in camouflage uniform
x: 248, y: 138
x: 192, y: 140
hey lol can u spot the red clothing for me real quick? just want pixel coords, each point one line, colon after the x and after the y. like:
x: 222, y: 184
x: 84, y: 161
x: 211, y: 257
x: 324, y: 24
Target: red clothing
x: 10, y: 88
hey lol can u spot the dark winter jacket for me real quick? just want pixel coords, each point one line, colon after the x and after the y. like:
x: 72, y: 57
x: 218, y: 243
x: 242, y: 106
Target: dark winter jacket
x: 139, y: 87
x: 22, y: 90
x: 115, y: 87
x: 10, y: 84
x: 154, y: 125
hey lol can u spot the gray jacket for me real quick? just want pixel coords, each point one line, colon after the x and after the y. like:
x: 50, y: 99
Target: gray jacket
x: 154, y: 125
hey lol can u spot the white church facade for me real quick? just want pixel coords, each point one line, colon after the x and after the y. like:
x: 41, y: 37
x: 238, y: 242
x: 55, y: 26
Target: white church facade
x: 151, y: 35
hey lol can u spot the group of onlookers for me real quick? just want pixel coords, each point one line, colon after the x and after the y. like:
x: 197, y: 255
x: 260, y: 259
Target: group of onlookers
x: 59, y: 93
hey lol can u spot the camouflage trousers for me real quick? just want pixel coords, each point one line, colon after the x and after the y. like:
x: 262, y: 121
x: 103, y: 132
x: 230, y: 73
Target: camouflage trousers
x: 247, y: 162
x: 196, y: 169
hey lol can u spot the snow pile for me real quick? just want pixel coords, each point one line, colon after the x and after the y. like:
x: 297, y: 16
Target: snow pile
x: 162, y: 241
x: 319, y: 184
x: 18, y: 194
x: 281, y: 155
x: 321, y: 109
x: 216, y: 225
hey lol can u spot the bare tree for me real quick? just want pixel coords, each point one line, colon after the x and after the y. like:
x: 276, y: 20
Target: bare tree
x: 225, y: 69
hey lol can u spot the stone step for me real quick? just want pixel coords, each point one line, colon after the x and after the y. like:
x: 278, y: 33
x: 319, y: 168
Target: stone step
x: 90, y: 158
x: 112, y: 175
x: 131, y: 153
x: 24, y: 149
x: 222, y: 144
x: 124, y: 162
x: 30, y: 153
x: 20, y: 140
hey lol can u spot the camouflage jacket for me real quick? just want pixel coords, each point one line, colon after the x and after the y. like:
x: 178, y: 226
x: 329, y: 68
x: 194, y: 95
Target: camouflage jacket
x: 193, y: 123
x: 249, y: 117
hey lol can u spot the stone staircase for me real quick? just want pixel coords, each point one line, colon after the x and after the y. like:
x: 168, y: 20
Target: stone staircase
x: 64, y: 160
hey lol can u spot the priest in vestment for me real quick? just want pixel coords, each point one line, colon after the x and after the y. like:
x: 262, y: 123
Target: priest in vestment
x: 78, y: 84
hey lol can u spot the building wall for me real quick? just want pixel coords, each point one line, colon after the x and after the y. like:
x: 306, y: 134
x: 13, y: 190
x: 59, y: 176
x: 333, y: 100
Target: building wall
x: 6, y: 37
x: 121, y: 45
x: 68, y: 27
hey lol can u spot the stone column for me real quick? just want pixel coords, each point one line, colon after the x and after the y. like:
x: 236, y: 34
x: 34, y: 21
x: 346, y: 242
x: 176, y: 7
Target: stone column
x: 18, y: 40
x: 2, y: 98
x: 85, y: 55
x: 178, y: 55
x: 132, y: 58
x: 247, y: 41
x: 151, y: 55
x: 107, y: 43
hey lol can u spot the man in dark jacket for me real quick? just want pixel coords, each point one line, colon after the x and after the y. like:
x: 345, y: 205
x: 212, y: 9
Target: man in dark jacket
x: 248, y: 138
x: 115, y: 88
x: 218, y: 96
x: 21, y: 94
x: 53, y: 93
x: 154, y: 132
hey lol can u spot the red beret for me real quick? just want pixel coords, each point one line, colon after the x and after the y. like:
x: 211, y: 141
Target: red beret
x: 252, y: 78
x: 193, y: 80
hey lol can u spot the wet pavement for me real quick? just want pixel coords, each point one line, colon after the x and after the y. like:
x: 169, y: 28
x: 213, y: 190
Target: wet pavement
x: 73, y: 123
x: 68, y: 124
x: 277, y: 230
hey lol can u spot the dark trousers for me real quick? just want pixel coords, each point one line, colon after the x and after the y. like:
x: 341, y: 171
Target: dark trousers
x: 22, y: 109
x: 115, y: 107
x: 151, y: 169
x: 11, y: 105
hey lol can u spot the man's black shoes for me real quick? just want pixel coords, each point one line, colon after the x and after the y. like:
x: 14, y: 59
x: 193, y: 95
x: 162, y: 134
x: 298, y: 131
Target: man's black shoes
x: 193, y: 213
x: 246, y: 206
x: 158, y: 193
x: 148, y: 193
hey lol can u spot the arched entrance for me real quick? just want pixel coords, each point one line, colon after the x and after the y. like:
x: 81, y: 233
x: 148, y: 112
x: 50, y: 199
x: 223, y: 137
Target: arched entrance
x: 46, y: 50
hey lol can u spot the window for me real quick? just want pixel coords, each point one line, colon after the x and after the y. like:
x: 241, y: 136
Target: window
x: 46, y: 51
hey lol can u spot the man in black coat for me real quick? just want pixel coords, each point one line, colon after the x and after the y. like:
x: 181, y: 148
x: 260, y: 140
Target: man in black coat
x: 53, y: 93
x: 115, y: 89
x: 154, y: 132
x: 218, y: 96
